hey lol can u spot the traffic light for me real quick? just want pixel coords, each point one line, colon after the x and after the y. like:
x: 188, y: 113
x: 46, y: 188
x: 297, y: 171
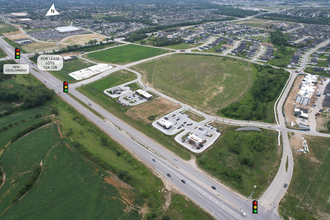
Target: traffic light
x: 65, y: 86
x: 255, y: 207
x: 17, y: 53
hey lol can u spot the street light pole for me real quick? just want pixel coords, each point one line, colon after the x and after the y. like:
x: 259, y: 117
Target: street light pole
x: 248, y: 197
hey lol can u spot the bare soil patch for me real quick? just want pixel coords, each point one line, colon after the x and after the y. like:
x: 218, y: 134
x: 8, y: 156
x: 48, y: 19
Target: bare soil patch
x: 159, y: 106
x: 82, y: 39
x: 21, y: 36
x: 70, y: 54
x: 288, y: 106
x: 295, y: 143
x: 321, y: 121
x: 12, y: 33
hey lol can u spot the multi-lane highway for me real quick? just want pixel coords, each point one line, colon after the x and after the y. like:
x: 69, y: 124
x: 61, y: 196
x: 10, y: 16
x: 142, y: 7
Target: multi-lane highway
x: 222, y: 203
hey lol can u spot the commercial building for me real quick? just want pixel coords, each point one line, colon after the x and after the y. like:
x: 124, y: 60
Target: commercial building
x: 68, y: 58
x: 164, y: 123
x: 193, y: 139
x: 19, y: 14
x: 23, y: 41
x: 116, y: 90
x: 68, y: 29
x: 144, y: 94
x: 307, y: 89
x: 301, y: 112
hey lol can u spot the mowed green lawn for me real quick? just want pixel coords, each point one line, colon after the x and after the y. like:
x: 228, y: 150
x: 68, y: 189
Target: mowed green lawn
x: 70, y: 186
x: 69, y: 67
x: 310, y: 183
x: 125, y: 54
x: 114, y: 79
x: 208, y: 83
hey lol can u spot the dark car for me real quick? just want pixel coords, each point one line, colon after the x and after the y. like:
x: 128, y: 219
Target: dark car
x: 153, y: 160
x: 285, y: 185
x: 166, y: 118
x: 183, y: 181
x: 213, y: 187
x: 169, y: 175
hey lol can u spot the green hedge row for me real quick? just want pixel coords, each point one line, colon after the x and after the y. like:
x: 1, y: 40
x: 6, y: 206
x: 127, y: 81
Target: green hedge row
x: 27, y: 184
x: 28, y: 129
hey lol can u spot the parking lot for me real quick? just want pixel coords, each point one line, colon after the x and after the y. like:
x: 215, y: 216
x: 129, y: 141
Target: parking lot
x: 131, y: 99
x: 180, y: 121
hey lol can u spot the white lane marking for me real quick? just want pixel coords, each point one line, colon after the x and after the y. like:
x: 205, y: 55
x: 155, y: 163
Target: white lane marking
x: 221, y: 205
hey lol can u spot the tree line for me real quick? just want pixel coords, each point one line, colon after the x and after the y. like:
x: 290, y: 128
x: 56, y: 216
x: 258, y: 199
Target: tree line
x: 29, y: 129
x: 236, y: 12
x: 159, y: 42
x: 283, y: 17
x: 32, y: 96
x: 263, y: 92
x: 28, y: 183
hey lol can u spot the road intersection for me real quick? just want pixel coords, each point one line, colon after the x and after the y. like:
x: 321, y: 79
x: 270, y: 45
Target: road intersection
x: 222, y: 203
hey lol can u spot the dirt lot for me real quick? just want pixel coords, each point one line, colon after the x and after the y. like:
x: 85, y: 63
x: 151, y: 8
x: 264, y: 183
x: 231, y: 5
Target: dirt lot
x: 321, y: 122
x: 288, y: 106
x: 70, y: 54
x: 37, y: 47
x: 82, y: 39
x: 159, y: 106
x: 295, y: 143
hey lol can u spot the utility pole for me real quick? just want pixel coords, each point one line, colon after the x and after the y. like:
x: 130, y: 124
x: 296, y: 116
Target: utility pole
x: 283, y: 212
x: 254, y: 187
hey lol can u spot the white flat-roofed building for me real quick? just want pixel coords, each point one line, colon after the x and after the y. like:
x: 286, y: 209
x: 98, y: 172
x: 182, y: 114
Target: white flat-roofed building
x: 164, y: 123
x: 67, y: 58
x: 24, y: 20
x: 68, y: 29
x: 193, y: 139
x: 19, y: 14
x: 23, y: 41
x: 90, y: 71
x: 144, y: 94
x: 307, y: 89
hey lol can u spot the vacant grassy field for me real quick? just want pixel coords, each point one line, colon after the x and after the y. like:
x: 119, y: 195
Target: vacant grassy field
x: 16, y: 37
x: 125, y: 54
x: 69, y: 67
x: 194, y: 116
x: 310, y: 183
x: 156, y: 108
x: 144, y: 181
x: 10, y: 85
x: 82, y: 39
x: 5, y: 28
x: 39, y: 47
x: 94, y: 91
x: 66, y: 174
x: 260, y: 23
x: 208, y: 83
x: 243, y: 159
x: 2, y: 53
x: 181, y: 46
